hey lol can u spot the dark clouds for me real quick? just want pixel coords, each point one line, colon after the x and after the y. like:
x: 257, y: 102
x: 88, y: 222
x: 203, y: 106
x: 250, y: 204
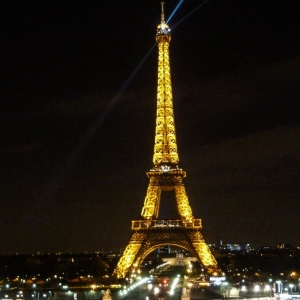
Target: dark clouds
x: 73, y: 164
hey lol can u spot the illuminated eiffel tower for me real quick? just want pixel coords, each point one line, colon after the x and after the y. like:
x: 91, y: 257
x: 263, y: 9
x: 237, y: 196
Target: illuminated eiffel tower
x: 149, y: 233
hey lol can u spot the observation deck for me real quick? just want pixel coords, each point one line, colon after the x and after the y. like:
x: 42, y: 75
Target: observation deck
x: 165, y: 224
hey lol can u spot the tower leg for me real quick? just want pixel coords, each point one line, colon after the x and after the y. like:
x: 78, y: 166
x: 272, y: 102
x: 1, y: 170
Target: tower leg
x: 183, y: 205
x: 204, y: 253
x: 152, y: 200
x: 129, y: 255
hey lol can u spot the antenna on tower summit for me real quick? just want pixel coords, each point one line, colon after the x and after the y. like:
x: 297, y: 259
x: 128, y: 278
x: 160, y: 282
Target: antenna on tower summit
x: 162, y: 12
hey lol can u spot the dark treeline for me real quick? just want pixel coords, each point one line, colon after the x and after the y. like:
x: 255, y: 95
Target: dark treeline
x: 255, y: 265
x: 261, y: 264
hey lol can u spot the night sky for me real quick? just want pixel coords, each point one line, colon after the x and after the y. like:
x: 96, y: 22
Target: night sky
x: 78, y: 95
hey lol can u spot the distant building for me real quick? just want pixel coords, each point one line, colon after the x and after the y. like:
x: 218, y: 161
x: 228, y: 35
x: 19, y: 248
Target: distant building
x: 231, y: 246
x: 238, y: 247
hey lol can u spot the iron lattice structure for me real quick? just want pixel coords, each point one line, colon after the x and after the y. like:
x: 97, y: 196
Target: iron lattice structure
x: 150, y: 233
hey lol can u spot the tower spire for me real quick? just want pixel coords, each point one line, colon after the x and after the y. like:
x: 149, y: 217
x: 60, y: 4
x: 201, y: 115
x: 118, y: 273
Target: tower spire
x: 162, y: 12
x: 165, y: 145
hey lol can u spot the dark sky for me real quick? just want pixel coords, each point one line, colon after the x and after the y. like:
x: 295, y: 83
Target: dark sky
x: 77, y: 122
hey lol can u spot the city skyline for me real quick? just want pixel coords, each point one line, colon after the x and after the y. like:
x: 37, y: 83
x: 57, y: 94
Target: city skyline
x: 78, y: 123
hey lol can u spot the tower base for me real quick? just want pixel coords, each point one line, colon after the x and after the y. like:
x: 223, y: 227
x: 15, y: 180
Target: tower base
x: 149, y: 235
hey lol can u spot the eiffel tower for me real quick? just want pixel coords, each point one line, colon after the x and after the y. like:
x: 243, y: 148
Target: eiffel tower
x: 149, y: 232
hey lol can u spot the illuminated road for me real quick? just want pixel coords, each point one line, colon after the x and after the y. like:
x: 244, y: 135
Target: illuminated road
x: 165, y: 283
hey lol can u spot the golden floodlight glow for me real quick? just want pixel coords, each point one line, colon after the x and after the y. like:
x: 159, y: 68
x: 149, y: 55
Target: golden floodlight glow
x: 149, y: 233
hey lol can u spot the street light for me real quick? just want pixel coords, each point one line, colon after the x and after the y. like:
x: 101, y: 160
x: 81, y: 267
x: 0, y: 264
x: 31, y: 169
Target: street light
x: 268, y: 290
x: 279, y: 285
x: 243, y: 291
x: 225, y: 289
x: 256, y: 290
